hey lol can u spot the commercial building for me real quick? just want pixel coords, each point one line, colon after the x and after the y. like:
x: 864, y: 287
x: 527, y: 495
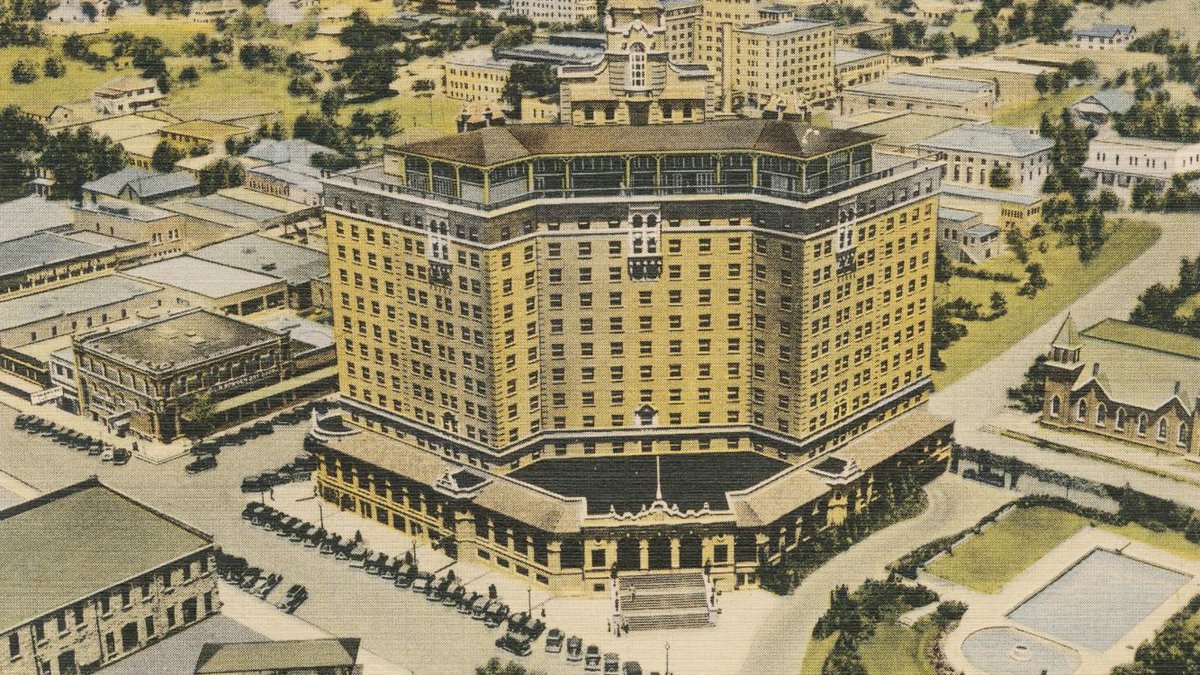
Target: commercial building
x: 1014, y: 81
x: 572, y: 12
x: 864, y: 35
x: 297, y: 266
x: 791, y: 58
x: 241, y: 208
x: 28, y: 215
x: 163, y: 232
x: 126, y: 95
x: 1126, y: 382
x: 1003, y: 208
x: 92, y: 576
x: 587, y: 295
x: 1104, y: 36
x: 1121, y: 162
x: 475, y: 75
x: 47, y: 259
x: 285, y: 169
x: 634, y: 82
x: 190, y: 373
x: 332, y: 656
x: 199, y: 282
x: 985, y: 155
x: 681, y: 19
x: 964, y: 238
x: 853, y: 66
x: 1098, y: 108
x: 201, y: 135
x: 926, y: 94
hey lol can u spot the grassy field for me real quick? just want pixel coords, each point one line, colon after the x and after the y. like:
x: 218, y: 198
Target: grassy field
x: 893, y: 650
x: 963, y: 26
x: 985, y: 563
x: 1170, y: 541
x: 1029, y: 114
x: 1067, y: 279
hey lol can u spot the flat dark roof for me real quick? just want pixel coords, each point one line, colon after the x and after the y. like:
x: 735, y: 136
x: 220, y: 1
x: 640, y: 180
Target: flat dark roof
x: 628, y: 483
x: 178, y: 340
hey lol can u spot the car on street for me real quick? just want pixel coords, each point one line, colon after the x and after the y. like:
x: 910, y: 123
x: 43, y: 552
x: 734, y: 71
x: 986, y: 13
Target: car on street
x: 199, y: 464
x: 438, y: 589
x: 253, y: 509
x: 96, y: 449
x: 120, y: 457
x: 632, y: 668
x: 253, y: 484
x: 293, y: 601
x: 496, y: 615
x: 358, y: 555
x: 612, y: 664
x: 422, y: 582
x: 292, y: 591
x: 554, y: 641
x: 517, y: 622
x: 465, y: 602
x: 314, y: 540
x: 107, y: 454
x: 574, y: 649
x: 591, y: 659
x: 250, y: 577
x: 376, y: 564
x: 479, y: 607
x: 283, y: 527
x: 514, y: 643
x: 453, y: 595
x: 406, y: 575
x: 535, y: 628
x: 331, y: 543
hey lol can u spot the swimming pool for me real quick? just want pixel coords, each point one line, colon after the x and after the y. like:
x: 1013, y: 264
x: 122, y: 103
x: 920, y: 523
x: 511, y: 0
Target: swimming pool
x: 1008, y: 651
x: 1099, y: 599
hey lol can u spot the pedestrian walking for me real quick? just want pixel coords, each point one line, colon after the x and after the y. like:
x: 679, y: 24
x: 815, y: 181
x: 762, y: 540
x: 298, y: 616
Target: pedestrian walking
x: 272, y: 493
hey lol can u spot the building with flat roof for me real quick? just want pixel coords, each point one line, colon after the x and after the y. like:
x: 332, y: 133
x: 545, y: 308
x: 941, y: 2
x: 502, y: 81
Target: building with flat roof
x: 1005, y: 209
x: 616, y: 291
x: 92, y: 576
x: 330, y: 656
x: 1103, y: 36
x: 475, y: 75
x: 925, y: 94
x: 681, y: 19
x: 47, y: 259
x: 189, y: 373
x: 986, y: 155
x: 201, y: 135
x: 285, y: 169
x: 125, y: 95
x: 572, y: 12
x: 1125, y: 382
x: 28, y: 215
x: 1121, y: 162
x: 864, y: 35
x: 963, y: 236
x: 209, y: 284
x: 1015, y: 82
x: 296, y: 265
x: 852, y: 66
x: 163, y: 232
x: 634, y: 82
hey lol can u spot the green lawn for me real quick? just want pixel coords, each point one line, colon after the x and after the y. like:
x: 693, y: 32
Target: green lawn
x: 985, y: 563
x: 899, y: 650
x: 1170, y: 541
x: 1067, y: 279
x: 1029, y: 113
x: 818, y: 651
x: 963, y: 26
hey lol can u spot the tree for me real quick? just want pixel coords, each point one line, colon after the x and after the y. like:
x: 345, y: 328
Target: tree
x: 22, y: 135
x: 386, y: 123
x: 998, y: 304
x: 197, y: 417
x: 164, y: 157
x: 362, y: 124
x: 77, y: 156
x: 333, y: 100
x: 189, y: 75
x: 1037, y: 277
x: 945, y: 333
x: 1000, y: 178
x: 23, y: 72
x: 1042, y: 83
x: 74, y: 47
x: 53, y: 67
x: 221, y: 174
x: 89, y: 10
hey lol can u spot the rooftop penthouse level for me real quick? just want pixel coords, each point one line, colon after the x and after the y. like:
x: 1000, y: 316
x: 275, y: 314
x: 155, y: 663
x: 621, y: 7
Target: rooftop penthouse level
x: 497, y: 167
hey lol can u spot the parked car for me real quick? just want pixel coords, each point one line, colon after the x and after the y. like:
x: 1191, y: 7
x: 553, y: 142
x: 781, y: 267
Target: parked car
x: 253, y: 484
x: 496, y: 616
x: 203, y: 463
x: 306, y: 462
x: 479, y: 607
x: 574, y: 649
x: 281, y: 526
x: 345, y: 549
x: 517, y: 622
x: 260, y: 519
x: 422, y: 582
x: 358, y: 556
x: 465, y: 602
x: 612, y: 664
x: 453, y: 595
x: 406, y: 575
x: 534, y: 629
x: 314, y: 540
x: 96, y: 449
x: 554, y: 641
x: 376, y: 564
x: 121, y: 456
x: 438, y: 589
x: 292, y: 592
x: 632, y: 668
x: 591, y: 659
x: 331, y: 544
x: 253, y: 509
x: 292, y: 604
x: 514, y: 643
x: 249, y: 577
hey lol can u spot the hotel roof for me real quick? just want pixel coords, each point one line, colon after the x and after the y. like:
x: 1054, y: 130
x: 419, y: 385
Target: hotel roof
x: 73, y: 299
x: 498, y: 145
x: 201, y: 277
x: 286, y: 655
x: 843, y: 55
x: 785, y: 27
x: 69, y: 544
x: 176, y: 340
x: 988, y: 139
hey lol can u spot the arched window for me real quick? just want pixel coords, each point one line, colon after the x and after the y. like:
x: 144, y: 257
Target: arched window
x: 1143, y: 422
x: 1081, y: 411
x: 637, y: 65
x: 1119, y: 422
x: 1101, y: 415
x: 1185, y: 436
x: 1162, y: 429
x: 1055, y: 406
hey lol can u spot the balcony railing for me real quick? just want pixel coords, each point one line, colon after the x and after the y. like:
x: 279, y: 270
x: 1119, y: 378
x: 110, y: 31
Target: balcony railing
x: 639, y: 191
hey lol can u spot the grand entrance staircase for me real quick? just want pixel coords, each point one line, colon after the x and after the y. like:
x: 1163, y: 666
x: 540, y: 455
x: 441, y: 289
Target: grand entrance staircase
x: 664, y: 601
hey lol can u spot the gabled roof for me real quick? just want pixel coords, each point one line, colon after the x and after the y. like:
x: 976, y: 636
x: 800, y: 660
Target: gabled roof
x: 1112, y: 100
x: 498, y: 145
x: 125, y: 84
x: 142, y: 182
x: 1123, y: 332
x: 290, y: 150
x: 1067, y: 336
x: 243, y: 657
x: 1104, y: 30
x: 989, y: 139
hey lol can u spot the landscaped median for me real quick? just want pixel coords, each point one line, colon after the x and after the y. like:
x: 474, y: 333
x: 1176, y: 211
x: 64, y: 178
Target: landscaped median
x: 1066, y: 279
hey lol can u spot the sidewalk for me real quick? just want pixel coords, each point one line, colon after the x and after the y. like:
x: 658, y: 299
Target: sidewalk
x: 1164, y: 464
x: 148, y: 451
x: 273, y: 624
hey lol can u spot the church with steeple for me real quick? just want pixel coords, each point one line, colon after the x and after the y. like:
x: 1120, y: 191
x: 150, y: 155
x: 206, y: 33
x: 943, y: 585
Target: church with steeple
x: 635, y: 82
x: 1125, y: 382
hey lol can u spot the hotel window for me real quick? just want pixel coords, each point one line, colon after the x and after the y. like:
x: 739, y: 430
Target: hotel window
x: 637, y: 65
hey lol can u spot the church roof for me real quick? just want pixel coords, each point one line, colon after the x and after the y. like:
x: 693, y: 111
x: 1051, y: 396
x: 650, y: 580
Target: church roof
x: 1068, y: 335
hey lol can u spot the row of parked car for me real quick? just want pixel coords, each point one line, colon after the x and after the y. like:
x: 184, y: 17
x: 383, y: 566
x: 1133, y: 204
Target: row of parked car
x: 239, y: 572
x: 298, y: 470
x: 76, y: 440
x: 205, y: 452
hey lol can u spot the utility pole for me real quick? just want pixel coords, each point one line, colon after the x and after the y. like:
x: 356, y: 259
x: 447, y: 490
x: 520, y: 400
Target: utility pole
x: 529, y: 600
x: 668, y: 668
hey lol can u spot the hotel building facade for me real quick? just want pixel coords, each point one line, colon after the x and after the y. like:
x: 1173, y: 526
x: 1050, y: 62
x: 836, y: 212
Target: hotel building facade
x: 514, y: 296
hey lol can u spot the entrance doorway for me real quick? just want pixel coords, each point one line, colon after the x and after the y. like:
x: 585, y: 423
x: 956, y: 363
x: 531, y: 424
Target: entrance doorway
x: 660, y: 553
x: 629, y: 555
x: 639, y: 114
x: 691, y: 552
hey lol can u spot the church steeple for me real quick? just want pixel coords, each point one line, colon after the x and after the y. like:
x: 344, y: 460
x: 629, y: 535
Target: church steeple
x: 1067, y: 344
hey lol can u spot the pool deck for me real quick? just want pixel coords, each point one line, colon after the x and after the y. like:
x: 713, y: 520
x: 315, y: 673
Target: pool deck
x: 989, y: 611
